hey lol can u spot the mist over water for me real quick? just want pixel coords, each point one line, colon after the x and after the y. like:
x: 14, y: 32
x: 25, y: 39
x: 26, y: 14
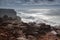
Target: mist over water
x: 50, y: 16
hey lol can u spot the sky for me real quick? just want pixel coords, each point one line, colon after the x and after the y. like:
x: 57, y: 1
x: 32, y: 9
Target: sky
x: 18, y: 4
x: 35, y: 10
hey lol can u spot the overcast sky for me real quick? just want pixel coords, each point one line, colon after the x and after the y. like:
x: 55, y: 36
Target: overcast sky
x: 29, y: 3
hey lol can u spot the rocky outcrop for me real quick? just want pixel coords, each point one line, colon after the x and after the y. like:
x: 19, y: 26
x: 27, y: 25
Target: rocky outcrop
x: 8, y: 12
x: 16, y: 29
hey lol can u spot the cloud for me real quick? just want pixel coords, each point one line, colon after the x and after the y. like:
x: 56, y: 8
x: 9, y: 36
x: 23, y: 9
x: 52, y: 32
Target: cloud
x: 35, y: 11
x: 49, y: 12
x: 53, y: 12
x: 20, y: 4
x: 29, y: 2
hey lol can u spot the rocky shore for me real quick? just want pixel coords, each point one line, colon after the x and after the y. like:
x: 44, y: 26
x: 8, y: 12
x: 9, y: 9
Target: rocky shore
x: 14, y: 29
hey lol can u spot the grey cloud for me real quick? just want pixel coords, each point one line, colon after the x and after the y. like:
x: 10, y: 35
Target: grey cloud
x: 53, y: 12
x: 21, y: 2
x: 31, y: 11
x: 27, y: 11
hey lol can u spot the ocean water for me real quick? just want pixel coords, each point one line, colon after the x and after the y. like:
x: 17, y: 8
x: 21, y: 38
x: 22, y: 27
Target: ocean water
x: 49, y: 16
